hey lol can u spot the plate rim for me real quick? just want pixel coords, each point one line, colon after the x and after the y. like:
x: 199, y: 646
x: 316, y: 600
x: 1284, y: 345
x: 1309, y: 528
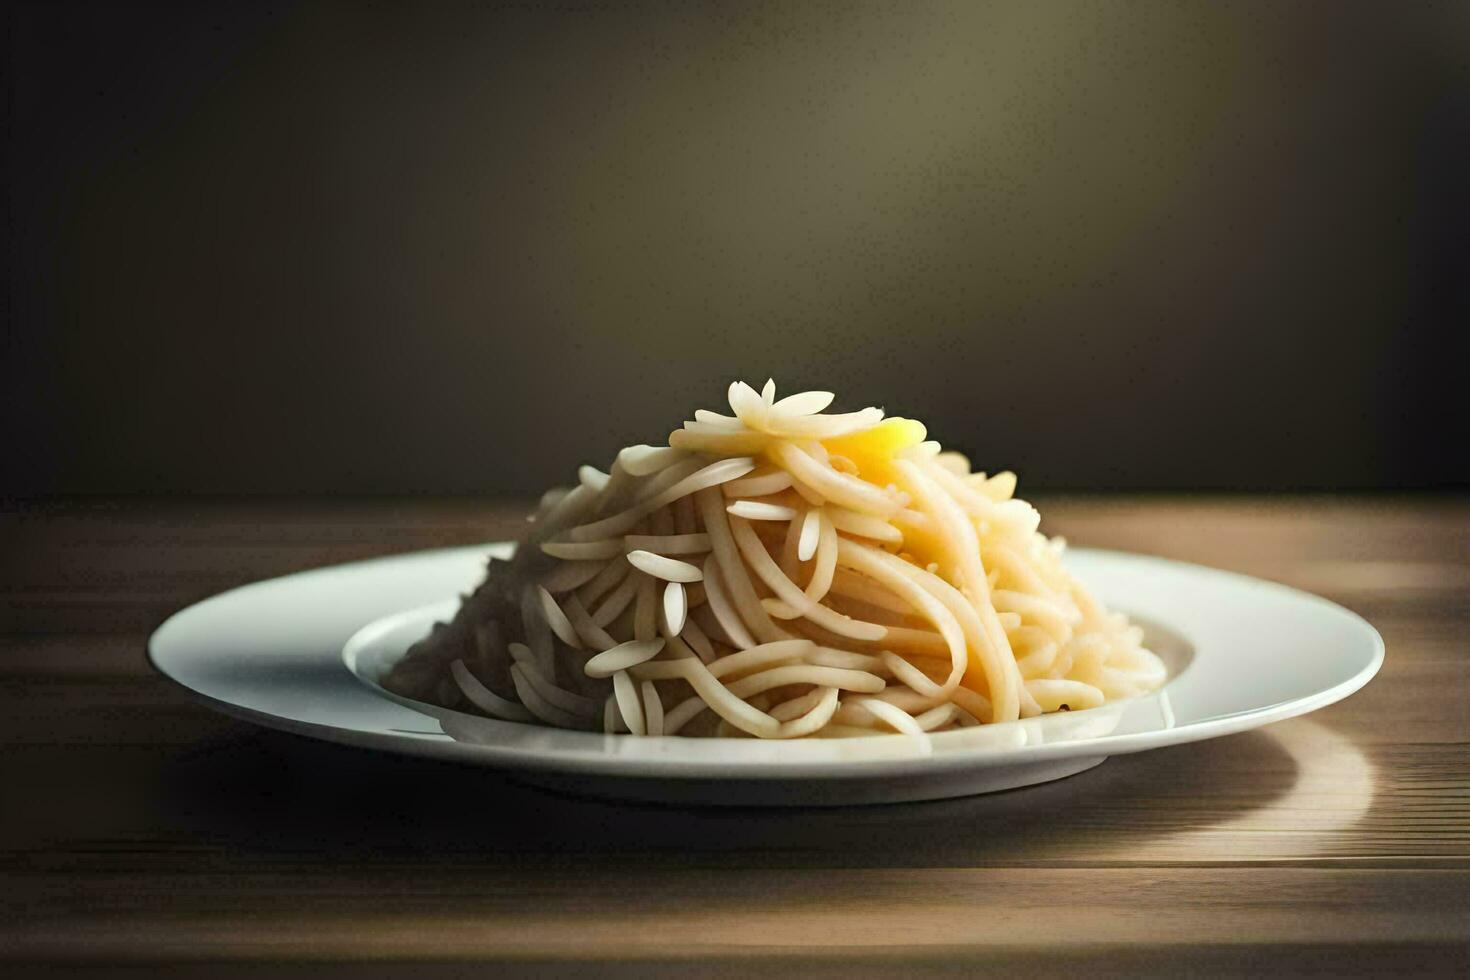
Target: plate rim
x: 558, y: 761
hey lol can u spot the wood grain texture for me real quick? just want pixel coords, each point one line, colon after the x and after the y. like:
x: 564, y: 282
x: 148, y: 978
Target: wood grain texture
x: 139, y: 828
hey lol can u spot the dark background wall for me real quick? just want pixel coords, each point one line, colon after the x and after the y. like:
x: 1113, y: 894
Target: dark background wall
x: 444, y: 247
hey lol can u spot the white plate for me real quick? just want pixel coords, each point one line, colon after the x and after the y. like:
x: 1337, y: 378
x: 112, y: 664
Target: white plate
x: 302, y: 654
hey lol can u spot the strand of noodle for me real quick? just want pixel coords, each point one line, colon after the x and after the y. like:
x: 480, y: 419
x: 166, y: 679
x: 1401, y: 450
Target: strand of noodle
x: 846, y: 582
x: 1052, y: 694
x: 768, y: 392
x: 548, y: 499
x: 538, y: 705
x: 858, y: 609
x: 974, y: 703
x: 700, y: 439
x: 832, y: 657
x: 769, y: 572
x: 611, y: 719
x: 682, y: 713
x: 806, y: 493
x: 698, y: 641
x: 1013, y: 565
x: 537, y: 629
x: 759, y: 656
x: 625, y: 490
x: 814, y: 719
x: 1033, y: 607
x: 668, y: 569
x: 485, y: 699
x: 676, y: 648
x: 1019, y: 517
x: 799, y: 705
x: 1029, y: 707
x: 903, y: 580
x: 959, y: 541
x: 1016, y: 516
x: 823, y: 426
x: 561, y: 698
x: 593, y: 479
x: 1088, y: 654
x: 863, y: 525
x: 908, y: 699
x: 790, y: 560
x: 826, y: 559
x: 621, y: 657
x: 718, y: 421
x: 955, y: 462
x: 1029, y: 637
x: 648, y: 460
x: 712, y: 475
x: 963, y: 719
x: 936, y: 717
x: 617, y: 600
x: 613, y: 575
x: 733, y: 577
x: 557, y: 619
x: 1038, y: 662
x: 1000, y: 487
x: 842, y: 464
x: 971, y: 501
x: 719, y: 605
x: 908, y: 521
x: 571, y: 575
x: 913, y: 676
x: 847, y: 491
x: 653, y: 709
x: 675, y: 609
x: 520, y: 653
x: 911, y: 642
x: 811, y: 529
x: 847, y: 680
x: 898, y: 719
x: 1085, y: 600
x: 668, y: 544
x: 758, y: 484
x: 582, y: 550
x: 757, y: 510
x: 717, y: 698
x: 628, y: 704
x: 748, y: 406
x: 645, y: 609
x: 619, y: 490
x: 565, y: 512
x: 593, y: 635
x: 651, y: 487
x: 804, y: 403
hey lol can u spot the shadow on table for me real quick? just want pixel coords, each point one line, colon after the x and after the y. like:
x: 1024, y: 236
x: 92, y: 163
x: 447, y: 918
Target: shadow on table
x: 263, y: 792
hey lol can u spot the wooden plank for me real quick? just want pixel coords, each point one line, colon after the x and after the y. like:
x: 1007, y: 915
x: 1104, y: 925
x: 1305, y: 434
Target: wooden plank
x: 582, y: 913
x: 138, y: 825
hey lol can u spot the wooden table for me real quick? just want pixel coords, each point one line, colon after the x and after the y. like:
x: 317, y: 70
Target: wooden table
x: 139, y: 828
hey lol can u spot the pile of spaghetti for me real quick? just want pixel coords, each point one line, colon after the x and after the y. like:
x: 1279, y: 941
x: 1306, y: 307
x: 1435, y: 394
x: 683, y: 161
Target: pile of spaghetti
x: 781, y: 573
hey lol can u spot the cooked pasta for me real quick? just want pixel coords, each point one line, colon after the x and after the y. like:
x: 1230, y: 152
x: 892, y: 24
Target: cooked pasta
x: 780, y: 572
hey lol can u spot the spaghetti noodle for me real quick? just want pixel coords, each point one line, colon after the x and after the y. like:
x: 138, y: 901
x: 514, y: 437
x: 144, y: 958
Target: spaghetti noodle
x: 781, y: 573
